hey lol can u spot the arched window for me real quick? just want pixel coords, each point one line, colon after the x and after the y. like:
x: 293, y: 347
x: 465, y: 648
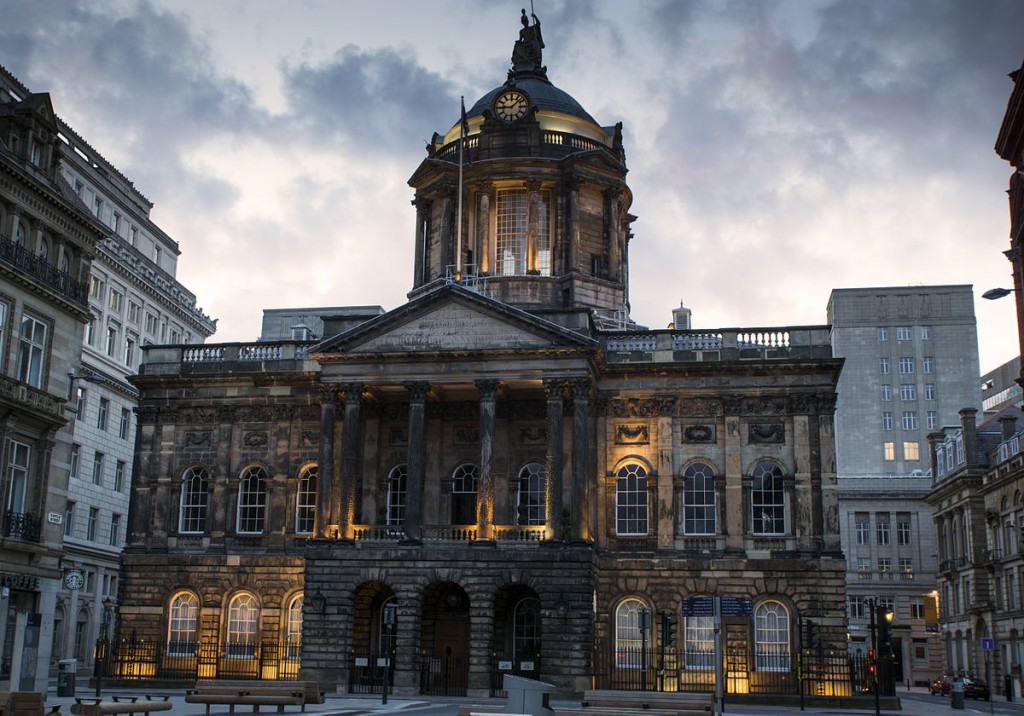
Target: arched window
x: 81, y: 632
x: 396, y: 495
x: 771, y: 636
x: 628, y: 636
x: 526, y: 631
x: 464, y: 494
x: 252, y: 500
x: 530, y: 503
x: 44, y: 248
x: 699, y: 500
x: 631, y: 500
x: 293, y: 634
x: 699, y: 642
x: 195, y: 497
x: 182, y: 624
x: 65, y: 261
x: 58, y: 633
x: 768, y: 499
x: 19, y: 234
x: 305, y: 500
x: 243, y: 619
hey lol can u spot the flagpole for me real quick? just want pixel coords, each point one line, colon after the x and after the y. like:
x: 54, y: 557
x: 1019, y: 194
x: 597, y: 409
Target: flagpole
x: 458, y: 221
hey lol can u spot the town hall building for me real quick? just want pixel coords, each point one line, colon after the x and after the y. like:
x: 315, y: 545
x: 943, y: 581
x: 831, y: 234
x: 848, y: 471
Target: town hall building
x: 503, y: 475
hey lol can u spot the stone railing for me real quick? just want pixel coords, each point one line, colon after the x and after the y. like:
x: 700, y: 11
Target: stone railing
x: 378, y: 533
x: 43, y: 271
x: 520, y: 533
x: 717, y: 345
x: 22, y: 525
x: 23, y: 393
x: 557, y: 143
x: 226, y: 357
x: 449, y: 533
x: 699, y: 545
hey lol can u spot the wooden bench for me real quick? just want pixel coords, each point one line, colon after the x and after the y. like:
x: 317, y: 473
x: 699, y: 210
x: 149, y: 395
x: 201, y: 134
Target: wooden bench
x: 22, y: 703
x: 120, y: 705
x: 255, y: 694
x: 649, y: 701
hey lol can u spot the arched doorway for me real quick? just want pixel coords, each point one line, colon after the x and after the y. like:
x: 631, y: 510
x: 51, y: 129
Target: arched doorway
x: 373, y: 639
x: 444, y: 639
x: 517, y: 635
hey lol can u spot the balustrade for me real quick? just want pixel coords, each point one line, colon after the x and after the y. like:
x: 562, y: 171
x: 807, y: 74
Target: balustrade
x: 43, y: 271
x: 22, y: 525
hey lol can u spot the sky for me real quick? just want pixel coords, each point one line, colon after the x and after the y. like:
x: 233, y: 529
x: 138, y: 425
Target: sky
x: 777, y: 149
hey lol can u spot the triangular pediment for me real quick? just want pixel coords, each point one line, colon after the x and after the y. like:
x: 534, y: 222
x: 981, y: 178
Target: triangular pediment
x: 453, y: 320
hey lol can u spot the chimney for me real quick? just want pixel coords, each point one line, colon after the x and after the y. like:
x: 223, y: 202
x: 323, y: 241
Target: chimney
x: 1007, y: 426
x: 970, y: 434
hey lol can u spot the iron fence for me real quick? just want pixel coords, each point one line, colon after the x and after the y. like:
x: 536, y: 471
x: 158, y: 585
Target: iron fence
x: 140, y: 660
x: 813, y: 672
x: 444, y: 675
x: 368, y: 672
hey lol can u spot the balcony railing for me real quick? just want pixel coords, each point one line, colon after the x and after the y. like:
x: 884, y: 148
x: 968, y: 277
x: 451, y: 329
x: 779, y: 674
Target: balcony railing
x: 718, y: 344
x: 22, y: 525
x: 43, y: 271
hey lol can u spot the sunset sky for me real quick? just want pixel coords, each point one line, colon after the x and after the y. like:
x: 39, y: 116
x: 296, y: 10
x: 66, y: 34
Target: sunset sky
x: 777, y: 148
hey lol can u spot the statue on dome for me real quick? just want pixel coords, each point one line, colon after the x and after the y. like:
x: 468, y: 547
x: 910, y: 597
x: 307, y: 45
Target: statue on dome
x: 527, y: 53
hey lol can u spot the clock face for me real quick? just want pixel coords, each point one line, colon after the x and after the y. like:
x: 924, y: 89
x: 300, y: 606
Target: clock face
x: 511, y: 105
x: 73, y: 579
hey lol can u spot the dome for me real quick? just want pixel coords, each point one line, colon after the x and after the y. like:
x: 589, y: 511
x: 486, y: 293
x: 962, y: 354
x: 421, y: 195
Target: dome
x: 545, y: 95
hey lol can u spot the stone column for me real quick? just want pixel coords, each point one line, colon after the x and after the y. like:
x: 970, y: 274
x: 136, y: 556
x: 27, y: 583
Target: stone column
x: 581, y: 393
x: 613, y: 220
x: 414, y: 477
x: 409, y: 603
x: 571, y: 252
x: 532, y: 228
x: 326, y: 524
x: 553, y: 491
x: 447, y: 233
x: 485, y: 486
x: 351, y: 432
x: 483, y: 258
x: 422, y: 258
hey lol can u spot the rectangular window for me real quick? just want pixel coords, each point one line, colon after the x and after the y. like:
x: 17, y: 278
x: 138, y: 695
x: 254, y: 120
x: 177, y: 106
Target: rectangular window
x: 863, y: 566
x: 124, y: 426
x: 134, y: 311
x: 909, y: 420
x: 886, y: 421
x: 76, y: 449
x: 882, y: 530
x: 115, y: 530
x: 97, y: 207
x: 18, y: 460
x: 928, y: 364
x: 903, y: 532
x: 911, y: 451
x: 926, y: 333
x: 883, y: 333
x: 97, y: 469
x: 889, y: 450
x: 906, y: 567
x: 903, y: 333
x: 90, y: 332
x: 884, y: 565
x: 129, y: 351
x: 80, y: 403
x: 135, y: 236
x: 96, y: 288
x: 157, y: 254
x: 150, y: 323
x: 908, y: 391
x: 90, y: 528
x: 906, y: 365
x: 116, y: 223
x: 883, y: 366
x: 111, y: 340
x: 929, y: 391
x: 69, y: 518
x: 512, y: 228
x: 115, y: 300
x: 931, y: 420
x: 862, y: 529
x: 101, y: 414
x: 886, y: 391
x: 858, y: 608
x: 119, y: 470
x: 3, y: 332
x: 32, y: 351
x: 917, y: 609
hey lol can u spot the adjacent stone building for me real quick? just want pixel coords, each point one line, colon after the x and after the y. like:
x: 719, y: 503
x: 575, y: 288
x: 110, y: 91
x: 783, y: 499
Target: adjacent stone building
x: 503, y: 475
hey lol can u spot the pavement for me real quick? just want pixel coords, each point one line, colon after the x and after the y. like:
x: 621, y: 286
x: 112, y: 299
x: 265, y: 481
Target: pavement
x: 915, y: 702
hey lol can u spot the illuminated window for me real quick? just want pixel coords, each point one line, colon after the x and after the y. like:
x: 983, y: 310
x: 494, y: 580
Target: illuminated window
x: 631, y: 500
x: 628, y: 634
x: 530, y: 497
x: 512, y: 227
x: 699, y: 500
x: 293, y: 632
x: 911, y: 450
x: 243, y: 617
x: 252, y: 500
x: 182, y: 624
x: 771, y: 637
x: 768, y: 499
x: 397, y: 495
x: 889, y: 450
x: 305, y: 500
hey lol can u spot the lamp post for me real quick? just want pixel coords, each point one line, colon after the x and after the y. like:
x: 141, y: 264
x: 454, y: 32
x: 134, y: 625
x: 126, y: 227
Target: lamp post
x: 389, y: 630
x: 102, y: 644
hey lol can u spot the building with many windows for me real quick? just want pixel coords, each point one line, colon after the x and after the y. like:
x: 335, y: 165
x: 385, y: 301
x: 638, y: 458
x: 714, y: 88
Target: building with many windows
x: 48, y: 240
x: 911, y: 364
x: 504, y: 474
x: 135, y: 300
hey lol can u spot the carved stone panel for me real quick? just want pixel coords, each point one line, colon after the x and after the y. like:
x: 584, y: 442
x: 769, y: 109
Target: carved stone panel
x: 533, y: 435
x: 702, y: 433
x: 466, y: 435
x: 198, y: 437
x: 254, y: 438
x: 632, y: 435
x: 766, y: 433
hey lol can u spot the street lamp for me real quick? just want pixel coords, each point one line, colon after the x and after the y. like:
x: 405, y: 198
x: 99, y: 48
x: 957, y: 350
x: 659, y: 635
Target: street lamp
x: 102, y: 644
x: 994, y: 294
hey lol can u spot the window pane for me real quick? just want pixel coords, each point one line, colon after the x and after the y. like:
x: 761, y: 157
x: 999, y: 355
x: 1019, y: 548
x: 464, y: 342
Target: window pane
x: 631, y: 500
x: 531, y: 503
x: 511, y: 232
x: 699, y: 500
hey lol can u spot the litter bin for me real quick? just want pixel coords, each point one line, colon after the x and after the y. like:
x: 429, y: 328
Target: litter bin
x: 66, y: 677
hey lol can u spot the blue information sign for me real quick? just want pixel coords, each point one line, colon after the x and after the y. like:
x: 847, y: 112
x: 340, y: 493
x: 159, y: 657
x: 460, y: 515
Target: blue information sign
x: 987, y: 643
x: 698, y: 607
x: 737, y: 607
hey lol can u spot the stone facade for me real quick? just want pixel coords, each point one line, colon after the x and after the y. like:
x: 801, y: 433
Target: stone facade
x: 505, y: 474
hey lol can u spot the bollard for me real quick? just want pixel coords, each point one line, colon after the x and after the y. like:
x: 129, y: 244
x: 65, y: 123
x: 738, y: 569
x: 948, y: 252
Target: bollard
x: 956, y: 695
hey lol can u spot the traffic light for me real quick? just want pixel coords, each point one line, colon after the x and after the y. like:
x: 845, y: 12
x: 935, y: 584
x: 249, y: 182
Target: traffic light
x: 884, y: 625
x: 670, y: 630
x: 871, y: 662
x: 810, y: 634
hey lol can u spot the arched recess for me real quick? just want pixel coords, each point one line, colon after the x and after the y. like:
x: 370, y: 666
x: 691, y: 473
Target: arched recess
x: 444, y: 639
x: 375, y: 624
x: 518, y: 631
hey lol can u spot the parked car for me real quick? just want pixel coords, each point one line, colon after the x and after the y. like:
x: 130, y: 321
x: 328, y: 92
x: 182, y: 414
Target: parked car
x: 973, y: 688
x: 942, y: 685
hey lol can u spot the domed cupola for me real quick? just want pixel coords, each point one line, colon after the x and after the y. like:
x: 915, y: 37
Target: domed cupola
x: 525, y: 197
